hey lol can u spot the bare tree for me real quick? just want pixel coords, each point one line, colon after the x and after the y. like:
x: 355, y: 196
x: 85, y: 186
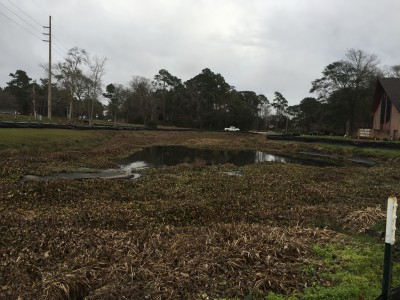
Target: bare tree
x: 364, y: 67
x: 364, y: 71
x: 348, y: 81
x: 70, y: 76
x: 95, y: 72
x: 391, y: 71
x: 80, y: 74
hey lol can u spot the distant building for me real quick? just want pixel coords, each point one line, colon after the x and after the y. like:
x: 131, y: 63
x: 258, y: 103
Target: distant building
x: 386, y: 109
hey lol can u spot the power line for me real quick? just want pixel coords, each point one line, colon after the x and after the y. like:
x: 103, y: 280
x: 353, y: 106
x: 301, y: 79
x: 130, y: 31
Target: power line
x: 59, y: 42
x: 26, y: 29
x: 25, y: 13
x: 62, y: 55
x: 63, y: 50
x: 20, y: 17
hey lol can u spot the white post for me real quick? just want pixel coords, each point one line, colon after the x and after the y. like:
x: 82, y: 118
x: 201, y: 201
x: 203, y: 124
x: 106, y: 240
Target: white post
x: 391, y: 220
x: 389, y: 242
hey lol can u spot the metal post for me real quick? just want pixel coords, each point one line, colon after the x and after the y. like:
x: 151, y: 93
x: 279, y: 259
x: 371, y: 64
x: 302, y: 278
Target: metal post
x: 389, y: 241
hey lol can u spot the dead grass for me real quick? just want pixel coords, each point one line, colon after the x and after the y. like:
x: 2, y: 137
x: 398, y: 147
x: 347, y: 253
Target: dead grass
x: 183, y: 232
x: 359, y: 221
x: 168, y: 262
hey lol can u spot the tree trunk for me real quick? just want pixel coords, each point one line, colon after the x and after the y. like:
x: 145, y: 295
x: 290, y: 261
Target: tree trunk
x: 350, y: 119
x: 91, y: 114
x: 347, y: 133
x: 88, y: 110
x: 71, y: 105
x: 163, y: 104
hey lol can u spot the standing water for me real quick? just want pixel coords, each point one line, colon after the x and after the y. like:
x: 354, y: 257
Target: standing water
x: 162, y: 156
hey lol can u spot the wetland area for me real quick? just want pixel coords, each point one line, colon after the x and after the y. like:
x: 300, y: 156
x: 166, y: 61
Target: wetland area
x: 302, y: 221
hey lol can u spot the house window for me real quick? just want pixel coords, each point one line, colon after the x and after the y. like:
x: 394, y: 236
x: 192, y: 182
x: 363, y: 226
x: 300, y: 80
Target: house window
x: 383, y: 107
x: 386, y: 109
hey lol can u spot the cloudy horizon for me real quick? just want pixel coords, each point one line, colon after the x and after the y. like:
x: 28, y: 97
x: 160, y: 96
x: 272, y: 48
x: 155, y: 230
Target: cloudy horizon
x: 262, y: 46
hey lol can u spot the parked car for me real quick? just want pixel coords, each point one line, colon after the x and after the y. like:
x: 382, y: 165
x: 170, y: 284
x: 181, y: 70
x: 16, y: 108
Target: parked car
x: 232, y: 128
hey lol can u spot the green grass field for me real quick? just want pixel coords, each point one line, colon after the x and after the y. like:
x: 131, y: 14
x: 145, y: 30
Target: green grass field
x: 48, y: 140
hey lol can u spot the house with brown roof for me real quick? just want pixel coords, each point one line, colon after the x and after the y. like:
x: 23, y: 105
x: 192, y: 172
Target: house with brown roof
x: 386, y: 109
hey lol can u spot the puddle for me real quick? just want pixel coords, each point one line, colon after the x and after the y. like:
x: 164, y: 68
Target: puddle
x: 162, y: 156
x: 103, y: 174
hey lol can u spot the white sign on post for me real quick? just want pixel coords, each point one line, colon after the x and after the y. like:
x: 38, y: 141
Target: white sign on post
x: 364, y: 132
x: 391, y: 220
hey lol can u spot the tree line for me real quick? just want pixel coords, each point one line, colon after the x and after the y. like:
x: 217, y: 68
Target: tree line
x: 342, y: 102
x: 205, y: 101
x: 344, y: 95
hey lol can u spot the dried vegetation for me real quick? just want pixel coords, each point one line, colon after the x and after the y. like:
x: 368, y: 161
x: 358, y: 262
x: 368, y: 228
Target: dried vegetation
x: 185, y: 232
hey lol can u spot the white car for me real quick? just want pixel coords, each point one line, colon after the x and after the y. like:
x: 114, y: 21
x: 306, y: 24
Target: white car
x: 232, y: 128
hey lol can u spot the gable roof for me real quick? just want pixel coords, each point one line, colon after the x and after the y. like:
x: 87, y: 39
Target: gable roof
x: 391, y: 86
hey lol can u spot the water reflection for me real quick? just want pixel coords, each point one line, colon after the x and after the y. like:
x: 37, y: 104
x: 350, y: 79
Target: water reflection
x: 161, y: 156
x: 262, y: 157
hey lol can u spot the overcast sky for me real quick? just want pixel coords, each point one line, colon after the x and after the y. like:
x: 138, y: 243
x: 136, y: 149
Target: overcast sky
x: 259, y: 45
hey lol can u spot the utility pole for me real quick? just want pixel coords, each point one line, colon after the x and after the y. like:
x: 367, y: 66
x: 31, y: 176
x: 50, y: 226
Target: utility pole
x: 49, y: 87
x: 34, y: 99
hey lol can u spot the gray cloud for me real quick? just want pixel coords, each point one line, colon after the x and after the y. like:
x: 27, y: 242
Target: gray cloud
x: 258, y: 45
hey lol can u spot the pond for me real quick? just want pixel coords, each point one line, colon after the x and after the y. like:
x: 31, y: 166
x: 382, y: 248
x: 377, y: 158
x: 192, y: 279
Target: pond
x: 162, y: 156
